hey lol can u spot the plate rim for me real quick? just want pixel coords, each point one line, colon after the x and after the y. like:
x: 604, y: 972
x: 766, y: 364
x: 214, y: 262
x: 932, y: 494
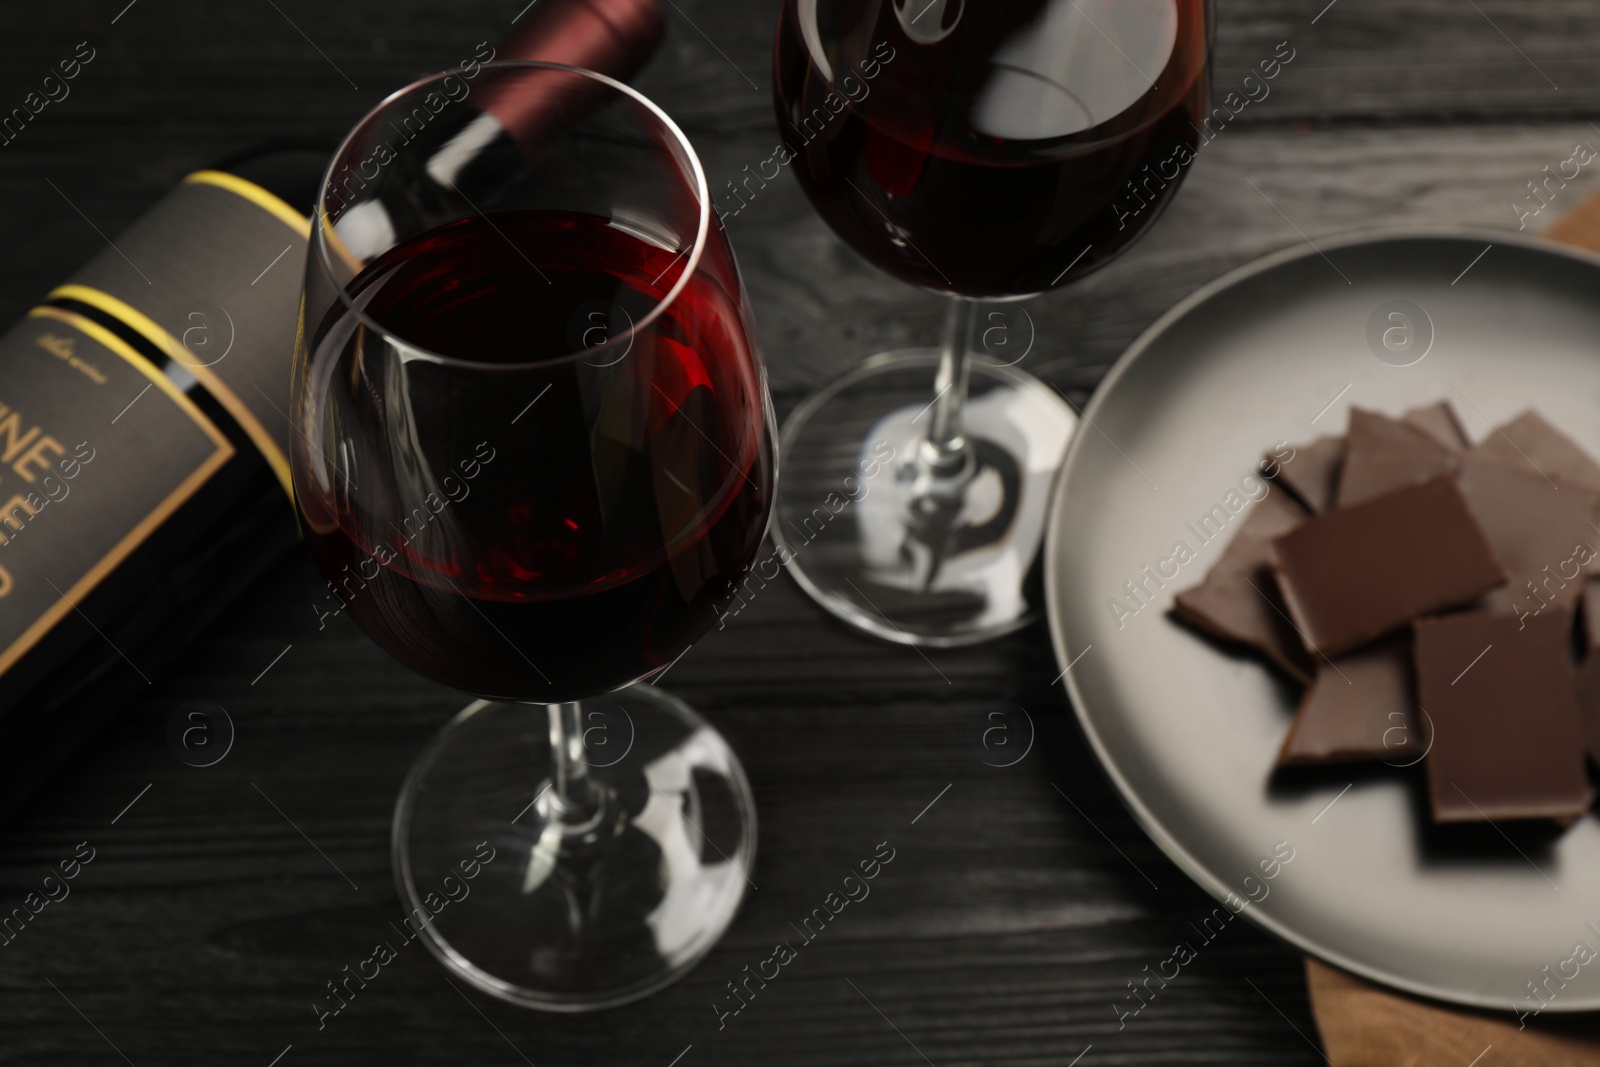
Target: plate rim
x: 1152, y: 827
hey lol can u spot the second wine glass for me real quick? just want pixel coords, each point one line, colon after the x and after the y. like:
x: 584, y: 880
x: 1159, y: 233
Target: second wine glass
x: 986, y: 152
x: 533, y: 459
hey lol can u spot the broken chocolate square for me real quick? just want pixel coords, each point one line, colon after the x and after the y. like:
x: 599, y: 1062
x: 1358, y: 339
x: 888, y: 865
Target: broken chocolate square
x: 1238, y: 599
x: 1507, y: 733
x: 1312, y: 472
x: 1359, y: 708
x: 1438, y: 421
x: 1356, y: 573
x: 1591, y: 617
x: 1539, y: 530
x: 1589, y: 705
x: 1530, y: 440
x: 1381, y: 454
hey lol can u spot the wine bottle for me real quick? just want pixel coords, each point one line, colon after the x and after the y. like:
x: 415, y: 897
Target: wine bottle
x: 143, y: 407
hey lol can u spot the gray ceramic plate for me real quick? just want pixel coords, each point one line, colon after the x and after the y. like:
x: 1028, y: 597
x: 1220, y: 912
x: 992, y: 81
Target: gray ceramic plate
x: 1278, y: 351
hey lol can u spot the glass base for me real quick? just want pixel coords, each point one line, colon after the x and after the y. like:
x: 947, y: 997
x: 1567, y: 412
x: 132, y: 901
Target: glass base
x: 920, y: 562
x: 592, y: 909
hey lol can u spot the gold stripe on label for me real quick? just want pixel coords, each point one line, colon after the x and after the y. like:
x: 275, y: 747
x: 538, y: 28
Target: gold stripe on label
x: 157, y: 335
x: 106, y: 338
x: 136, y: 536
x: 256, y: 195
x: 263, y: 199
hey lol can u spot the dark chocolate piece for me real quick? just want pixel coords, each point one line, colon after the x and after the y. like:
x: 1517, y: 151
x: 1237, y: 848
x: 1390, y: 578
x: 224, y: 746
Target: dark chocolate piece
x: 1589, y: 705
x: 1540, y: 531
x: 1238, y: 599
x: 1591, y: 617
x: 1507, y: 733
x: 1356, y: 573
x: 1381, y: 454
x: 1312, y: 475
x: 1359, y: 708
x: 1530, y: 440
x: 1438, y: 420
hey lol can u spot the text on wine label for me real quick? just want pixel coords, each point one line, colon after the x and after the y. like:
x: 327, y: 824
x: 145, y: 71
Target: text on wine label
x: 25, y: 452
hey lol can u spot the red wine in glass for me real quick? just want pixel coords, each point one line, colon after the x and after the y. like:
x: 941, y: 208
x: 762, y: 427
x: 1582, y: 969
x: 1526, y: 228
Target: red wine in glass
x: 983, y: 150
x: 987, y: 161
x: 546, y: 553
x: 532, y: 456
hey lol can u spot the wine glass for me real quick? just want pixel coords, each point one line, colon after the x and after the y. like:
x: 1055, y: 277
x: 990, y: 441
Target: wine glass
x: 986, y: 152
x: 533, y: 459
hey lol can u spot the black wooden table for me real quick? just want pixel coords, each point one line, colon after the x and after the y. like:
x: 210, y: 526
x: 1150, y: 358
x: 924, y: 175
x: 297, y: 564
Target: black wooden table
x: 1020, y: 904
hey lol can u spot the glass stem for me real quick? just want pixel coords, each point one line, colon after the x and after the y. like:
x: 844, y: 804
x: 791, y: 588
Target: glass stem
x: 945, y: 454
x: 574, y: 798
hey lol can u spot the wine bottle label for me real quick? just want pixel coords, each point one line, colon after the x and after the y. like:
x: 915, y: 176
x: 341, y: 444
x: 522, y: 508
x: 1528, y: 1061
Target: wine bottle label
x: 97, y: 447
x: 211, y: 278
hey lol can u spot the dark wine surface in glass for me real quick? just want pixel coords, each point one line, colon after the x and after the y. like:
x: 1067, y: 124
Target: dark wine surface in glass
x: 556, y: 525
x: 991, y: 148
